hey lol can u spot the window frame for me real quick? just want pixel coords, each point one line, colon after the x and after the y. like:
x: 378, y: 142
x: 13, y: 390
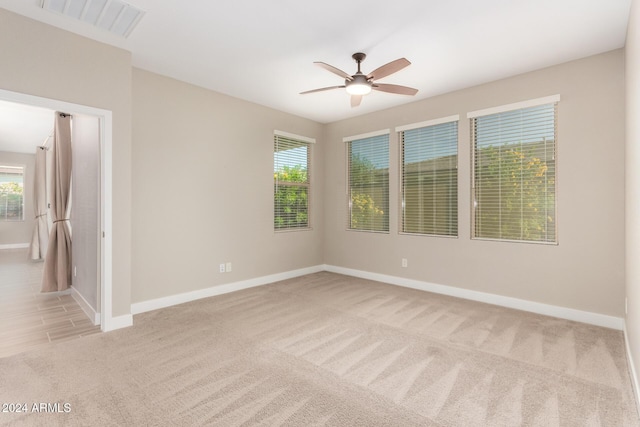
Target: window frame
x: 402, y: 200
x: 309, y: 144
x: 471, y: 116
x: 24, y: 191
x: 348, y: 140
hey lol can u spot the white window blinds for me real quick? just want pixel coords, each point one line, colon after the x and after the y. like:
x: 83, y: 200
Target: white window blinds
x: 514, y: 174
x: 429, y: 183
x: 368, y: 166
x: 291, y: 176
x: 11, y: 193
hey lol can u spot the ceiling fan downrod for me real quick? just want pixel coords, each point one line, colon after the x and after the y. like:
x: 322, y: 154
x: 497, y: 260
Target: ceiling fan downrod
x: 359, y: 57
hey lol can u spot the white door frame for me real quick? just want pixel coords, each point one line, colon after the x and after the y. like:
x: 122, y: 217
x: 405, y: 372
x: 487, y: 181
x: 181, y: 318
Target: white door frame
x: 106, y: 193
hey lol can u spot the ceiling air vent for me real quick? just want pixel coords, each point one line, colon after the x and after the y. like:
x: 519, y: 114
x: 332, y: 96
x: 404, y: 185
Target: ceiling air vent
x: 115, y: 16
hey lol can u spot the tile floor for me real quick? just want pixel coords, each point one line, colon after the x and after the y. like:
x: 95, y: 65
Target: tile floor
x: 28, y: 318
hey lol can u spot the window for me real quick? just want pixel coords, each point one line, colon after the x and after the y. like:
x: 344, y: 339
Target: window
x: 514, y: 172
x: 368, y: 186
x: 291, y: 178
x: 11, y: 193
x: 429, y: 181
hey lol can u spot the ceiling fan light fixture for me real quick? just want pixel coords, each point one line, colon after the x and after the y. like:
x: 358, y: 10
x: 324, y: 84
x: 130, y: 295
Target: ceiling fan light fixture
x: 356, y: 88
x: 358, y: 85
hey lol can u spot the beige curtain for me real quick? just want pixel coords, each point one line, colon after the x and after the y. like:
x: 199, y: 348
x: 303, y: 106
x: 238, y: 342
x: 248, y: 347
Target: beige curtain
x: 57, y: 264
x: 40, y: 237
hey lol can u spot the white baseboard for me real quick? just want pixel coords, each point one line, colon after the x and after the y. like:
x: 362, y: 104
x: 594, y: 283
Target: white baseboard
x: 15, y: 246
x: 85, y: 306
x: 504, y: 301
x: 518, y: 304
x: 154, y: 304
x: 632, y: 369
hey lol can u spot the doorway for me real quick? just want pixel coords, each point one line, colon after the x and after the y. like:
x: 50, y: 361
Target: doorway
x: 104, y: 241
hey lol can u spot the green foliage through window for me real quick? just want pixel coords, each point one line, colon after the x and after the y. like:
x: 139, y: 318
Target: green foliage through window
x: 11, y: 193
x: 430, y: 179
x: 515, y: 175
x: 291, y: 184
x: 369, y: 183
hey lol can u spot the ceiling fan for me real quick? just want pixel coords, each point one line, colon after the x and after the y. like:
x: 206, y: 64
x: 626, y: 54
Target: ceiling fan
x: 361, y: 84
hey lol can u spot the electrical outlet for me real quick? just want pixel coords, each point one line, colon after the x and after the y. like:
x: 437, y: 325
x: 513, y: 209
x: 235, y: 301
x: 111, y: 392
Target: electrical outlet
x: 75, y: 271
x: 228, y: 266
x: 222, y: 266
x: 405, y: 263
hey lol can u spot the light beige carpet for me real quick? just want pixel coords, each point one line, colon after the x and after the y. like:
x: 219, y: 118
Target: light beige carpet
x: 327, y: 349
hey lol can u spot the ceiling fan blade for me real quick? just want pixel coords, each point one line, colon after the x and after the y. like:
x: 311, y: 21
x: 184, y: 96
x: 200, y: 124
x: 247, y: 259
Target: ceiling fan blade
x: 402, y: 90
x: 334, y: 70
x: 356, y: 100
x: 321, y: 89
x: 389, y: 68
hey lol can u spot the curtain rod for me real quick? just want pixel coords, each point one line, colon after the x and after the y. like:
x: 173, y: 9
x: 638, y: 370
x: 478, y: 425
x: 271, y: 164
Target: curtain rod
x: 46, y: 141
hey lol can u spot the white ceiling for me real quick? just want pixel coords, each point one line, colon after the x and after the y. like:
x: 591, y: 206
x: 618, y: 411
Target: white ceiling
x: 263, y: 51
x: 23, y: 127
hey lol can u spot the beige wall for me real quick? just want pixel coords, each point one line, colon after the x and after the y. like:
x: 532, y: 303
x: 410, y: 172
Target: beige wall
x: 632, y: 74
x: 40, y: 60
x: 203, y: 189
x: 585, y: 271
x: 19, y: 232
